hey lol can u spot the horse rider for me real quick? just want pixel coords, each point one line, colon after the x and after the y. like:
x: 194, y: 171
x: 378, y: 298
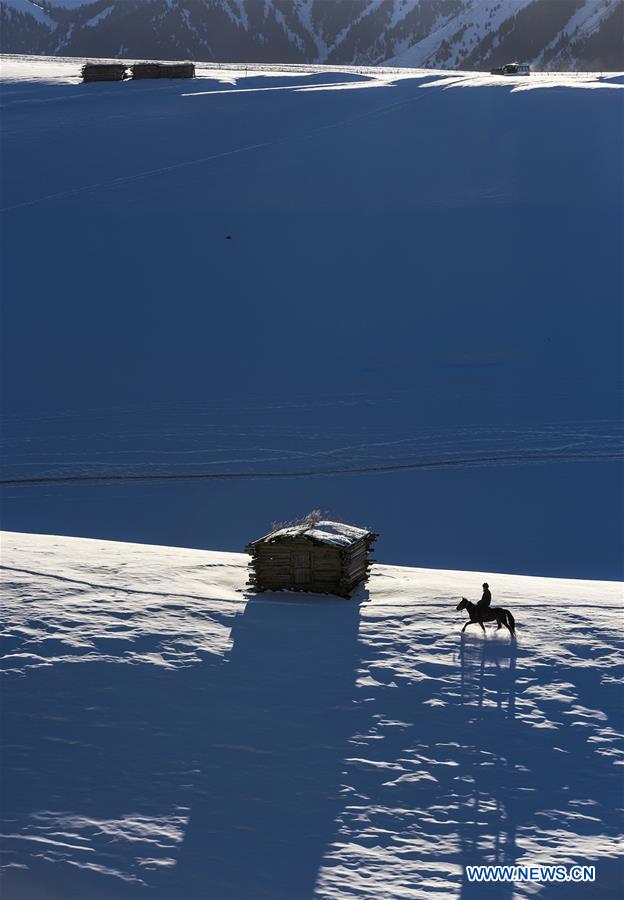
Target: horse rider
x: 484, y: 603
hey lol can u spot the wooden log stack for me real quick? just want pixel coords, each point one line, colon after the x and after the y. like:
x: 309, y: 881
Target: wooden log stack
x: 104, y: 71
x: 163, y: 70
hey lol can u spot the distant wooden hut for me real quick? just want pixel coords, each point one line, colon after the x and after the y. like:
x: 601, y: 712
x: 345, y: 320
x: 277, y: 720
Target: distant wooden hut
x: 163, y: 70
x: 319, y: 556
x: 104, y: 71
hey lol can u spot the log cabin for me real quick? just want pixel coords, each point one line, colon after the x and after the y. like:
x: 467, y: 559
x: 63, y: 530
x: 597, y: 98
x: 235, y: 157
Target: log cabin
x: 322, y: 557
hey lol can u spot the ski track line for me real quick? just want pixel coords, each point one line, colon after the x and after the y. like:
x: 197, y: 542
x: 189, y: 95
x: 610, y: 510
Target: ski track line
x: 315, y: 473
x: 572, y: 443
x: 304, y: 401
x: 127, y: 179
x: 163, y: 170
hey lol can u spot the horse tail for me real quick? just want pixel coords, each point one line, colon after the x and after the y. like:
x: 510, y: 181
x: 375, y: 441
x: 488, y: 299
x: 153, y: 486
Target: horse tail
x: 511, y: 622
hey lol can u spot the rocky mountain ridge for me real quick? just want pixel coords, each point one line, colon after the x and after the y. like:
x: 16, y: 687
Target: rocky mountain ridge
x: 466, y: 34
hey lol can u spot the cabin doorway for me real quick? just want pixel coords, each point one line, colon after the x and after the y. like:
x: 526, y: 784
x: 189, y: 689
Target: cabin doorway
x: 301, y: 567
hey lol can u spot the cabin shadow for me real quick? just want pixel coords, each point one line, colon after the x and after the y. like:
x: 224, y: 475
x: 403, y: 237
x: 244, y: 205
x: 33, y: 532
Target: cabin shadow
x: 270, y: 749
x: 218, y: 780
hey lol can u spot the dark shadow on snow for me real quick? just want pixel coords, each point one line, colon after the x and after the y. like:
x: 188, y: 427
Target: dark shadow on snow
x: 511, y: 776
x: 521, y: 777
x: 245, y: 752
x: 272, y: 752
x: 487, y: 831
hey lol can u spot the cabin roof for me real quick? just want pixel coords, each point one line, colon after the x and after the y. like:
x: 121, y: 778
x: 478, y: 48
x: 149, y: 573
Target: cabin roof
x: 335, y: 534
x: 113, y: 65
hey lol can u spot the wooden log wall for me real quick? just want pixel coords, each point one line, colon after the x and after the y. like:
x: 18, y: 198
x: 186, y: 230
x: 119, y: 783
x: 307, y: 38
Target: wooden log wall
x: 163, y: 70
x: 103, y: 72
x: 332, y: 570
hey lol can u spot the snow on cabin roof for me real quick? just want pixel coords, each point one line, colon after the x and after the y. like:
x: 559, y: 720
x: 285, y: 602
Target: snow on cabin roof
x: 335, y: 533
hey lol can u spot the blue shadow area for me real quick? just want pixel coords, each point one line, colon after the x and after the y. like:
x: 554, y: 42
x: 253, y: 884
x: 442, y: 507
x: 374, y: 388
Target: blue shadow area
x: 243, y: 758
x: 241, y: 281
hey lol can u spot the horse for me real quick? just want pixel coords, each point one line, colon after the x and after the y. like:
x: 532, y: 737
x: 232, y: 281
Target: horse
x: 493, y: 614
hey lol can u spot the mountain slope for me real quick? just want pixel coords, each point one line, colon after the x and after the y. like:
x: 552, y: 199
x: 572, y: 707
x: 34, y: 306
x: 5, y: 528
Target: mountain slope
x: 552, y: 34
x: 168, y: 735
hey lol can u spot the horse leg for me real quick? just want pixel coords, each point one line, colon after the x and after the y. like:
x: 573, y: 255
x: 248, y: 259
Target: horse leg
x: 505, y: 620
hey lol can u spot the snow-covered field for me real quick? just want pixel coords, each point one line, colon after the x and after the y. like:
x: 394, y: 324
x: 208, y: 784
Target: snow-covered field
x: 20, y: 68
x: 415, y: 324
x: 167, y: 735
x: 227, y: 301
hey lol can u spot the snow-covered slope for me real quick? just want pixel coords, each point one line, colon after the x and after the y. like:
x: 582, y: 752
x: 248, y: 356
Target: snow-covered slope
x: 553, y: 34
x: 416, y: 323
x: 168, y: 735
x: 30, y: 8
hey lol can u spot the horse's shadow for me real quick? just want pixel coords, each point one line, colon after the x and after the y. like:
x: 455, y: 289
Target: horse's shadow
x: 517, y: 774
x: 487, y: 813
